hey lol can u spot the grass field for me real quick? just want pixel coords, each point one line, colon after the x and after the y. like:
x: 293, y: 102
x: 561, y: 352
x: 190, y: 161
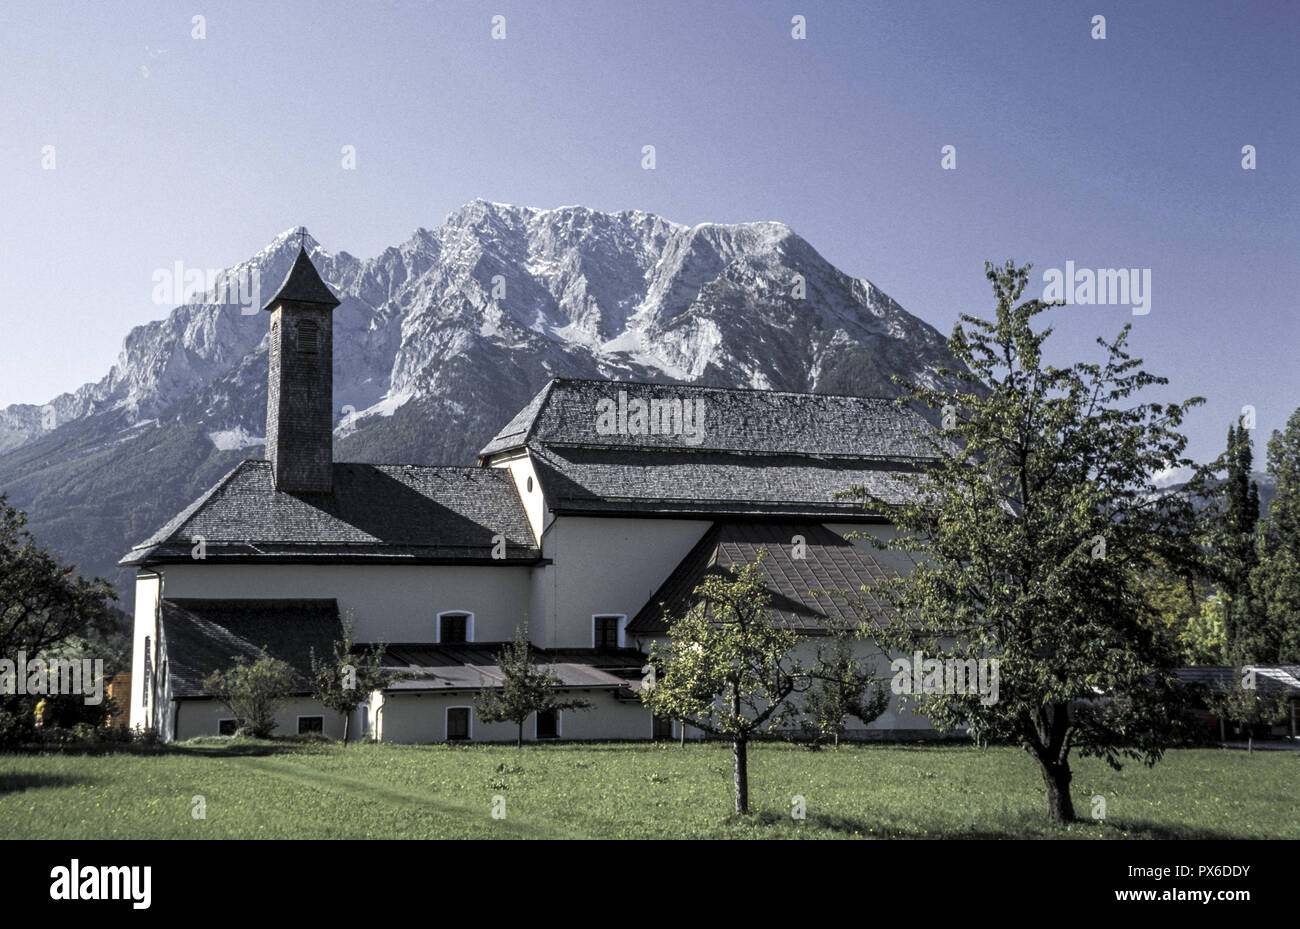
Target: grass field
x: 320, y: 790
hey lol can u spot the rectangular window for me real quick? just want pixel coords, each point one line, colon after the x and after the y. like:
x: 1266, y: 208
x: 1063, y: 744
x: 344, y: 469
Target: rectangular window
x: 457, y: 723
x: 310, y: 724
x: 607, y: 631
x: 225, y: 727
x: 455, y: 628
x: 548, y: 724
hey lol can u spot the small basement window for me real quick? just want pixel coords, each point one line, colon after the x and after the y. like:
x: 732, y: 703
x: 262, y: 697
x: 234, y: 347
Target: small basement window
x: 226, y: 726
x: 310, y: 724
x: 457, y: 723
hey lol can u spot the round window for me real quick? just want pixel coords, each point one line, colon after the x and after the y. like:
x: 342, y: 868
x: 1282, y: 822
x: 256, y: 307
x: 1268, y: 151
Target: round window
x: 530, y: 485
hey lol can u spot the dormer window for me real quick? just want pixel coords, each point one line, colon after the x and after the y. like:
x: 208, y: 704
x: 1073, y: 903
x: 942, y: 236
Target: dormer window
x: 455, y: 628
x: 308, y: 337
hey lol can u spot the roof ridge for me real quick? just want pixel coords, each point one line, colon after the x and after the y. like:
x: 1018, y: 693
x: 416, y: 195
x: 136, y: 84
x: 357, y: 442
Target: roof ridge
x: 754, y: 390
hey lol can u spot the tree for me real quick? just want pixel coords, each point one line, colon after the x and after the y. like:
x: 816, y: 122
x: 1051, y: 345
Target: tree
x: 345, y: 681
x: 526, y: 688
x: 42, y: 601
x: 1247, y: 706
x: 1275, y: 582
x: 728, y: 669
x: 1205, y: 640
x: 253, y: 691
x: 1235, y: 548
x: 43, y: 604
x: 1029, y: 525
x: 841, y: 688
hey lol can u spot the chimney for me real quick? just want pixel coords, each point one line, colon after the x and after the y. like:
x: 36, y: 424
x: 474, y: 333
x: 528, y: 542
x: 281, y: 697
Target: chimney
x: 300, y: 393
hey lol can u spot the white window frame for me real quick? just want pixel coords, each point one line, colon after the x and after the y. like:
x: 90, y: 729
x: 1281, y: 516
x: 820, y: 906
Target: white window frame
x: 223, y: 719
x: 622, y: 627
x: 469, y: 625
x: 320, y: 716
x: 446, y: 724
x: 559, y: 726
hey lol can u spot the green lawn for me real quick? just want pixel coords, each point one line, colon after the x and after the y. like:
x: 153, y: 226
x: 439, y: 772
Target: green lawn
x: 314, y: 790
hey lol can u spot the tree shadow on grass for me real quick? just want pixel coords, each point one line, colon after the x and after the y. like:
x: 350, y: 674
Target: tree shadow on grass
x: 15, y: 783
x: 1128, y: 829
x: 215, y: 748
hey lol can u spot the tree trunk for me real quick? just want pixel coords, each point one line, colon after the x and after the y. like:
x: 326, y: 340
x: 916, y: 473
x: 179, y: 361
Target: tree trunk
x: 519, y: 738
x: 740, y: 753
x: 1060, y: 808
x: 347, y: 717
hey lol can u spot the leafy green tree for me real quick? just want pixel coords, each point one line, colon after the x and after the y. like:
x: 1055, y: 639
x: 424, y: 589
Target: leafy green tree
x: 253, y: 691
x: 42, y: 601
x: 348, y: 678
x: 1236, y: 517
x: 43, y: 605
x: 728, y: 669
x: 526, y: 688
x: 1205, y: 640
x: 842, y: 686
x: 1275, y: 581
x: 1029, y: 526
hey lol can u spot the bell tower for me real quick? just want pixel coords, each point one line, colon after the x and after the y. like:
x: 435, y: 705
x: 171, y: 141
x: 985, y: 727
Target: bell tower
x: 300, y: 393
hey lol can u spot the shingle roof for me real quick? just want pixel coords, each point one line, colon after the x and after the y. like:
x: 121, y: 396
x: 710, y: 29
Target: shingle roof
x: 202, y: 636
x: 676, y: 482
x: 565, y: 412
x: 474, y: 665
x: 374, y: 513
x: 303, y: 285
x: 802, y: 589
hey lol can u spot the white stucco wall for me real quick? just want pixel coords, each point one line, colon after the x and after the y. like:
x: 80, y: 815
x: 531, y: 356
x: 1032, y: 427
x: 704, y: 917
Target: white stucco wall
x: 148, y: 588
x: 520, y: 466
x: 604, y: 565
x: 396, y: 603
x: 421, y: 718
x: 200, y: 717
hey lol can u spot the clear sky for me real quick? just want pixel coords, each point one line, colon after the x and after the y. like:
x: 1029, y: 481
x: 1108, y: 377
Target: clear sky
x: 1122, y: 152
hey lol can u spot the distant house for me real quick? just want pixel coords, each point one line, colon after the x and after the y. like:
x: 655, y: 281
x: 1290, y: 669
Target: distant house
x: 598, y: 502
x: 1283, y: 680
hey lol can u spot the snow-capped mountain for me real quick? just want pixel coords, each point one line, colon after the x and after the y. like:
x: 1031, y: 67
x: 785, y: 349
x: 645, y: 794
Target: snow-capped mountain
x: 442, y: 339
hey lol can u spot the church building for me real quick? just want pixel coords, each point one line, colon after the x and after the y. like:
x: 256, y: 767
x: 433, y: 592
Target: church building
x: 589, y: 519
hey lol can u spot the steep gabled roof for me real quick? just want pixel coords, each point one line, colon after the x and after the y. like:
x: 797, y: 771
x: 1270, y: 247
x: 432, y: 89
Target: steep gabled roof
x: 805, y: 592
x: 374, y: 513
x: 565, y: 411
x: 201, y: 636
x: 303, y: 285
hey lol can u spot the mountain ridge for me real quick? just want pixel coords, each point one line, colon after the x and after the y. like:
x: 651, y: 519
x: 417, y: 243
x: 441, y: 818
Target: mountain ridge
x: 439, y: 340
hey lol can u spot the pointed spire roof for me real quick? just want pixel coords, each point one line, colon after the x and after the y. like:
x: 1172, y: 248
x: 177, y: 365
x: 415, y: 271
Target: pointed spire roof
x: 303, y: 285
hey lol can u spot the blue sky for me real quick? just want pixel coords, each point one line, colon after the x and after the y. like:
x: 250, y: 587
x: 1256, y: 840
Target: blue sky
x: 1124, y: 152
